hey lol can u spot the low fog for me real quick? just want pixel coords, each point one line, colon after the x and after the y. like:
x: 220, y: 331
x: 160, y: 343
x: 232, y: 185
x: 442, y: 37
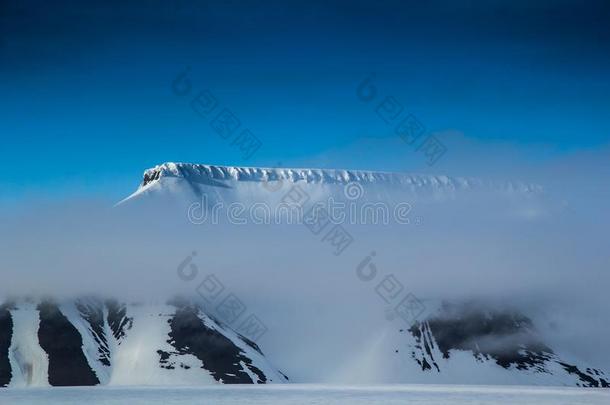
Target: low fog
x: 546, y: 256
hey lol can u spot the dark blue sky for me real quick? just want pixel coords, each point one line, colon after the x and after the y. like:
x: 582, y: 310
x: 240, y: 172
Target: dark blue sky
x: 87, y: 88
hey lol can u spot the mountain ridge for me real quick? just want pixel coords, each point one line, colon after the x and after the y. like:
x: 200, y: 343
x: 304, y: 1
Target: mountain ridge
x: 316, y: 175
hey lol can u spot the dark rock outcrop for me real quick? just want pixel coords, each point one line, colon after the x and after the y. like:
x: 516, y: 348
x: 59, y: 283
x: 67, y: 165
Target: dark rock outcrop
x: 6, y: 333
x: 63, y: 344
x: 219, y: 355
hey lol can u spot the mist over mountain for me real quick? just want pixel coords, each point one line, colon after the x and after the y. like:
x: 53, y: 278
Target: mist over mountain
x: 350, y: 276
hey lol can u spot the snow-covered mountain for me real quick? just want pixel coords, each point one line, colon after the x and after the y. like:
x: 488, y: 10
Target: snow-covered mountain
x: 503, y: 344
x: 90, y: 341
x: 99, y: 341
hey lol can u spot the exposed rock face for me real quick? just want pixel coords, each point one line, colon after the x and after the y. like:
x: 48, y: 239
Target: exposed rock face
x: 63, y: 345
x: 6, y: 332
x: 228, y: 364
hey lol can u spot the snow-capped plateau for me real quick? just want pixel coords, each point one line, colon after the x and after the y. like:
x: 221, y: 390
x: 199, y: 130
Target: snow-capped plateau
x: 201, y: 175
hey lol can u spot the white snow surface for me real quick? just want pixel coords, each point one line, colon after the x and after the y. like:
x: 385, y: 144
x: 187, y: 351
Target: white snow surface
x: 308, y: 394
